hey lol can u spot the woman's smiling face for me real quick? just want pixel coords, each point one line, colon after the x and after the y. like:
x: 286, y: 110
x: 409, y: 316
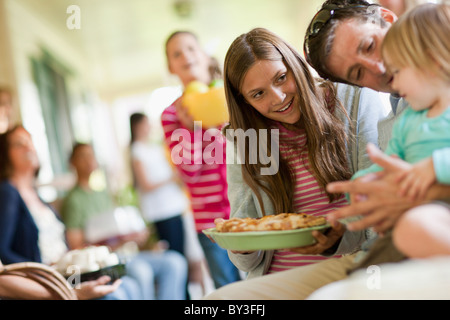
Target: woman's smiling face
x: 269, y: 87
x: 22, y: 153
x: 187, y: 59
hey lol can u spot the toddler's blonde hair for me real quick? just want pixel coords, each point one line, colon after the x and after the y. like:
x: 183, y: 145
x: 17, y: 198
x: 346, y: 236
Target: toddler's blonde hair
x: 421, y: 39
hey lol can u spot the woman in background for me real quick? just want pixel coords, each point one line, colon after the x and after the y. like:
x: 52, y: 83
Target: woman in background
x: 29, y: 229
x: 161, y: 199
x: 205, y: 182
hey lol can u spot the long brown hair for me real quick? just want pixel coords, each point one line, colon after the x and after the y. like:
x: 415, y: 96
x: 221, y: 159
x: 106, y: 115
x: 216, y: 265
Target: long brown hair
x: 135, y: 119
x: 326, y: 135
x: 6, y: 169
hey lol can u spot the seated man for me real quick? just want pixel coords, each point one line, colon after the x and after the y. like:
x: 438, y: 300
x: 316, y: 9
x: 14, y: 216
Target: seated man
x: 168, y: 268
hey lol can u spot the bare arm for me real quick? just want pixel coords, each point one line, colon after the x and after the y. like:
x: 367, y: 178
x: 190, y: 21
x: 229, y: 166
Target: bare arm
x: 142, y: 182
x: 17, y: 287
x: 75, y: 238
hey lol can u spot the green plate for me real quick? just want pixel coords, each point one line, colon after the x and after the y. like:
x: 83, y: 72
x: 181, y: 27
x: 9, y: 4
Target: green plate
x: 264, y: 240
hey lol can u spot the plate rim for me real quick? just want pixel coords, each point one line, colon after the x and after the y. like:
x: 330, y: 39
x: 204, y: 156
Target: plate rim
x: 212, y: 231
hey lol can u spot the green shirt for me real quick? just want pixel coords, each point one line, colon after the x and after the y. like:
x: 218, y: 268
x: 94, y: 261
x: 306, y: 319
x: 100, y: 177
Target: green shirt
x: 80, y: 205
x: 416, y: 137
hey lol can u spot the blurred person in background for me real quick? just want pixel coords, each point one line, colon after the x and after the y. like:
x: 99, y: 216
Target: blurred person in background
x: 399, y: 7
x: 206, y: 183
x: 161, y: 199
x: 30, y: 230
x: 167, y: 268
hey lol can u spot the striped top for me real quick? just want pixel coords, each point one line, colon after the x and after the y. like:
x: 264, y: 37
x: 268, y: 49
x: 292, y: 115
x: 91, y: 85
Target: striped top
x: 200, y: 159
x: 309, y: 198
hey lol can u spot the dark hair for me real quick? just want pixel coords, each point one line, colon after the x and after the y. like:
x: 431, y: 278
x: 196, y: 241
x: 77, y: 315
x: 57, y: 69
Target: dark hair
x: 5, y: 161
x: 135, y: 119
x: 319, y: 45
x: 76, y: 147
x: 214, y: 66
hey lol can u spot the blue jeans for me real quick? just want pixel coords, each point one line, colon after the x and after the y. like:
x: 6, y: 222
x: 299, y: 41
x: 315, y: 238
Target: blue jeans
x: 223, y: 271
x: 167, y: 269
x: 128, y: 290
x: 153, y: 276
x: 172, y: 231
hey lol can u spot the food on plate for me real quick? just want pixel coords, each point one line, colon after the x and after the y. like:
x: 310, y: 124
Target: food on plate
x: 89, y: 259
x: 282, y: 221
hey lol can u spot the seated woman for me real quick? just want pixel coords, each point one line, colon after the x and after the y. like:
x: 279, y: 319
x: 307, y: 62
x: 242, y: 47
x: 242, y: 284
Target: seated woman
x: 29, y: 229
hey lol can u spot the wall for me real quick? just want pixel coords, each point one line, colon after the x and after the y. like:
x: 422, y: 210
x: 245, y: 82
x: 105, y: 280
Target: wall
x: 29, y: 35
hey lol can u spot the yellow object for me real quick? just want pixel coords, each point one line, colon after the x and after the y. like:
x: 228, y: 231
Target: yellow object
x: 196, y: 86
x: 205, y: 104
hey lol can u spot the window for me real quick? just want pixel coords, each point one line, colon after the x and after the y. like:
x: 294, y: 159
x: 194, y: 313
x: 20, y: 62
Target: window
x: 50, y: 80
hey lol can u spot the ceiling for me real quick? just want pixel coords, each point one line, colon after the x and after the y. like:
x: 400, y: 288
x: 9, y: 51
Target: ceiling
x: 122, y: 41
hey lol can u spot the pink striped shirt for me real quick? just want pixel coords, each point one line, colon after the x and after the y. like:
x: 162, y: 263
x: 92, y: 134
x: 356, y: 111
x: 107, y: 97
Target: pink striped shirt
x: 202, y: 171
x: 308, y: 196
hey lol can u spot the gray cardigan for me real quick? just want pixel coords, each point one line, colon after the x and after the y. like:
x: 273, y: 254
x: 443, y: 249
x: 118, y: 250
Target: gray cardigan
x: 365, y: 110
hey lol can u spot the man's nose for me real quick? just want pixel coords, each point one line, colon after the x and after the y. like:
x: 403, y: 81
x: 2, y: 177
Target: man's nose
x: 375, y: 66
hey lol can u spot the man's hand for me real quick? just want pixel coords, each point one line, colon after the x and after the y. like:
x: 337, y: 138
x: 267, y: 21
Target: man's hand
x: 379, y: 203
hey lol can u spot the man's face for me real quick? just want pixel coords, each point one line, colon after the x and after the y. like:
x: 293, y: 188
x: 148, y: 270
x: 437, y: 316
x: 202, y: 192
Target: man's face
x: 84, y: 160
x: 356, y: 55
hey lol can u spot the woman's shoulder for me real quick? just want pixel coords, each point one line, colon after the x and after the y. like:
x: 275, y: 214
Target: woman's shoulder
x: 170, y: 109
x: 169, y: 112
x: 7, y: 187
x: 8, y: 193
x: 169, y: 119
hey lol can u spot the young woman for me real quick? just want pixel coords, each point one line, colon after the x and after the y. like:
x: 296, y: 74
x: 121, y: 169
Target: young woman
x: 205, y: 181
x: 306, y: 109
x: 268, y: 86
